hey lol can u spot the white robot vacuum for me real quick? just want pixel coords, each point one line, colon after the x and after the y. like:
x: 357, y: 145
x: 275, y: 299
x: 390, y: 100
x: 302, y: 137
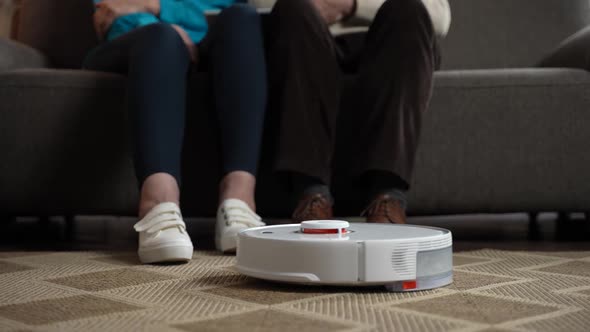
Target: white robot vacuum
x: 332, y: 252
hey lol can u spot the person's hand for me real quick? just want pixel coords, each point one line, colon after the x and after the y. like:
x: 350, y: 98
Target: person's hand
x: 334, y: 10
x: 190, y: 45
x: 107, y: 11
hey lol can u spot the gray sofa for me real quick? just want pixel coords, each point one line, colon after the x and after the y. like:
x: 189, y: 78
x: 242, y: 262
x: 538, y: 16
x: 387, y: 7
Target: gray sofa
x: 500, y: 134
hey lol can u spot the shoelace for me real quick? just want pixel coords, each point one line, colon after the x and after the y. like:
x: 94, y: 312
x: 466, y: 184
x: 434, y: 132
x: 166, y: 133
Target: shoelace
x: 241, y: 215
x: 160, y: 221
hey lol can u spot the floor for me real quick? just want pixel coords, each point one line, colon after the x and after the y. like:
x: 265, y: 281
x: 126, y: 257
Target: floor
x: 59, y: 278
x: 470, y: 232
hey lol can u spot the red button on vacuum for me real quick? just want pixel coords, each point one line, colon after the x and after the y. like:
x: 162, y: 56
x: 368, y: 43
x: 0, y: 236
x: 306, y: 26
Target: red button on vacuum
x: 322, y: 231
x: 324, y: 227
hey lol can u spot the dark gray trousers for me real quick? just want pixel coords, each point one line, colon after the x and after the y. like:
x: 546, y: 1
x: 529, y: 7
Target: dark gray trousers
x: 393, y: 67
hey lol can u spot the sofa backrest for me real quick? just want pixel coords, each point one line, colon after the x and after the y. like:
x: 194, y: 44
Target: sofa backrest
x: 61, y: 29
x: 509, y: 33
x: 484, y: 33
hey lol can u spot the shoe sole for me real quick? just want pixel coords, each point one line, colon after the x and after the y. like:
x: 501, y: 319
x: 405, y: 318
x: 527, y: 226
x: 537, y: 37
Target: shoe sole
x: 227, y: 245
x: 170, y: 254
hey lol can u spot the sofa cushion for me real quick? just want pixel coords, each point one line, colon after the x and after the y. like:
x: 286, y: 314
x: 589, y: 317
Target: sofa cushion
x: 63, y: 133
x: 65, y: 138
x: 505, y: 141
x: 492, y: 141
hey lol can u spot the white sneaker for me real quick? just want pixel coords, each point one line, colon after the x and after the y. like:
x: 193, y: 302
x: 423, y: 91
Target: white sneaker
x: 233, y: 216
x: 163, y: 236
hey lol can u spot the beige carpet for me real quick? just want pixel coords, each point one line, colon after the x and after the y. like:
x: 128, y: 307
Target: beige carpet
x: 101, y: 291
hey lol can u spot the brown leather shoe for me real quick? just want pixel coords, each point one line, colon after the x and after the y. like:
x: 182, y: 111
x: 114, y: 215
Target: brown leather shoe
x: 385, y: 209
x: 313, y: 207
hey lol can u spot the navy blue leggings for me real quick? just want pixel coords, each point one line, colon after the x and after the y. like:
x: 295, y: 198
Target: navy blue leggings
x: 156, y: 63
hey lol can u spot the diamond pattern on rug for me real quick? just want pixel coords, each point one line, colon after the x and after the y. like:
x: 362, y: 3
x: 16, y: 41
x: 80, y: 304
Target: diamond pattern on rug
x: 160, y: 291
x: 126, y: 259
x: 392, y: 320
x: 195, y: 266
x: 477, y: 308
x: 7, y: 267
x: 573, y: 322
x: 16, y: 254
x: 465, y: 260
x: 178, y: 308
x: 562, y: 254
x: 513, y: 258
x: 62, y: 309
x: 467, y: 280
x: 573, y: 268
x: 110, y: 291
x: 119, y: 321
x: 53, y: 259
x: 263, y: 292
x: 517, y: 265
x: 13, y: 292
x: 97, y: 281
x: 355, y: 306
x: 223, y: 278
x: 537, y: 292
x: 368, y: 308
x: 265, y: 320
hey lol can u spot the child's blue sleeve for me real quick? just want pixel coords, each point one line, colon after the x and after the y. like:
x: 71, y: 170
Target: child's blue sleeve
x: 219, y: 4
x: 129, y: 22
x: 188, y: 14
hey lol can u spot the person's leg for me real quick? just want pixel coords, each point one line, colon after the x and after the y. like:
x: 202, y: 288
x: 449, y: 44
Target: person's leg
x: 235, y: 50
x: 305, y: 83
x: 236, y: 54
x: 156, y: 62
x: 394, y: 87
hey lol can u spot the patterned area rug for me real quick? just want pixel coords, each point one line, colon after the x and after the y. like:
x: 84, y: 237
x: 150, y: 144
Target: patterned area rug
x: 493, y: 291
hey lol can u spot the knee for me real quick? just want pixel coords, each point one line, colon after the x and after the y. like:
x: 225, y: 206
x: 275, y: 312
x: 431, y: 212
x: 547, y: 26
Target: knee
x: 408, y: 9
x: 162, y: 39
x: 410, y: 16
x: 239, y: 22
x: 296, y: 18
x: 432, y: 13
x: 290, y: 10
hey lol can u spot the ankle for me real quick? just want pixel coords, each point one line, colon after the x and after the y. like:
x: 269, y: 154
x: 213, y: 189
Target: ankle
x: 238, y: 185
x: 156, y: 189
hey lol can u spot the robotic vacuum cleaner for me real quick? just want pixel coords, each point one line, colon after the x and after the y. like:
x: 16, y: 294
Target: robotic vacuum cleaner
x: 332, y: 252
